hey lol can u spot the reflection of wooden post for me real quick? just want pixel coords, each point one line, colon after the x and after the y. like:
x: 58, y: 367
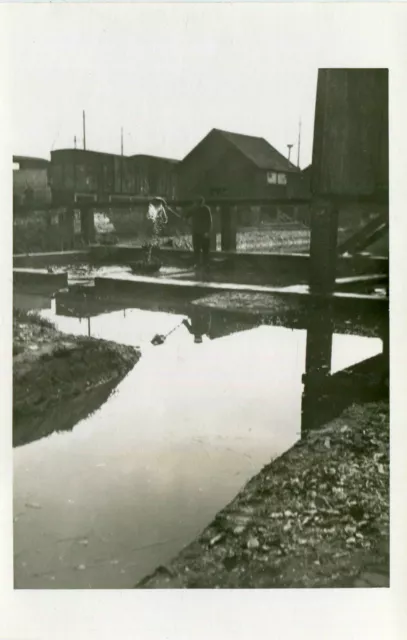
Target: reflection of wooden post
x: 317, y: 365
x: 228, y: 228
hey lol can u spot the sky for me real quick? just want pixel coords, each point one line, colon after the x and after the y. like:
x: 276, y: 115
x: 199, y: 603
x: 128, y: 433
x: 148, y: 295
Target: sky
x: 167, y: 75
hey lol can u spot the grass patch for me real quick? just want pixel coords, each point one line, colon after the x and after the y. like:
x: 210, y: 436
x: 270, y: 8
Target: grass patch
x: 32, y: 317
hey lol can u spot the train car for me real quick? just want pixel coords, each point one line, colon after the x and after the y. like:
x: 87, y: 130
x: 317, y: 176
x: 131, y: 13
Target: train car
x: 91, y: 172
x: 155, y: 176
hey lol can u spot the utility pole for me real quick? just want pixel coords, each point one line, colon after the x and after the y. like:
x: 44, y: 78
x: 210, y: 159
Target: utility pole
x: 74, y: 162
x: 299, y: 144
x: 289, y: 146
x: 84, y: 129
x: 121, y: 162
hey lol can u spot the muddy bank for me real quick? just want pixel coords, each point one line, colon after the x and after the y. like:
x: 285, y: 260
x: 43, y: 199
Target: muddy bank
x: 60, y: 379
x: 266, y: 308
x: 316, y: 517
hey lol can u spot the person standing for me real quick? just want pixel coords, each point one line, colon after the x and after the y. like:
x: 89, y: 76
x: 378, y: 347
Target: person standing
x: 201, y: 230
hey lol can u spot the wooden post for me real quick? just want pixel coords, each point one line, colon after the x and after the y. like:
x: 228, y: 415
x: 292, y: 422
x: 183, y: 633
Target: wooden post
x: 228, y: 228
x: 385, y: 336
x: 324, y: 236
x: 88, y: 224
x: 214, y: 230
x: 317, y: 365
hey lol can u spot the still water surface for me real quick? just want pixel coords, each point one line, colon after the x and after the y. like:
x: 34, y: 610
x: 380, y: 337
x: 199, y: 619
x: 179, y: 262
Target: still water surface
x: 105, y: 504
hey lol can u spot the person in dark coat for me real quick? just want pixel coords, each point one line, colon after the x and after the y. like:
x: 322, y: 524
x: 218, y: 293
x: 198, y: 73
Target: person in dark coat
x: 201, y: 230
x: 199, y: 324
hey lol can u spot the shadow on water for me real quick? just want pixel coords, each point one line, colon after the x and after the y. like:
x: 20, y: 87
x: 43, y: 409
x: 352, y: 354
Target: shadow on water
x: 64, y: 416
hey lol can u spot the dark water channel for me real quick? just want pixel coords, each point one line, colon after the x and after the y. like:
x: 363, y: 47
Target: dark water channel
x: 103, y: 505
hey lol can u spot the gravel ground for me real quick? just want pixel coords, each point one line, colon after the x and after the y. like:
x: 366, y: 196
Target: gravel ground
x: 316, y: 517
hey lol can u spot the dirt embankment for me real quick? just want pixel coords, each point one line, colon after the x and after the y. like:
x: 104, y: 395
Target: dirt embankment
x: 60, y: 379
x: 316, y: 517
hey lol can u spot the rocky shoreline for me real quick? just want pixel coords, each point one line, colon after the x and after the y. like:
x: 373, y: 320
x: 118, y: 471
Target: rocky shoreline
x: 316, y: 517
x: 59, y: 379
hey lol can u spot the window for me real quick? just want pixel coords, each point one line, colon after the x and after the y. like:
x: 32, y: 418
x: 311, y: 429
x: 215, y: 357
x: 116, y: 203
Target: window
x: 16, y: 166
x: 276, y: 178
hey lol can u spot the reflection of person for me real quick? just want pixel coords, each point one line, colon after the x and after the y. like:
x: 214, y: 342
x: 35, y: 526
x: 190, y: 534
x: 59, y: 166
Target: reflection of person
x: 199, y: 324
x: 201, y: 230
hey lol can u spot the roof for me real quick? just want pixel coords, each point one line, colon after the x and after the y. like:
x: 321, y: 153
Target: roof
x: 258, y: 151
x: 31, y: 160
x: 88, y: 152
x: 115, y: 155
x: 147, y: 155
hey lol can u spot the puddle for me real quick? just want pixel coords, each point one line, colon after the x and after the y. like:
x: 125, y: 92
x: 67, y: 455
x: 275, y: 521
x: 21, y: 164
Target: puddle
x: 220, y: 271
x: 139, y: 479
x: 85, y: 273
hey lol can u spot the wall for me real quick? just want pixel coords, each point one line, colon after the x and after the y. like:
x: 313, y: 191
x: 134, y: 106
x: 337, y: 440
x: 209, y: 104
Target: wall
x: 41, y: 231
x: 93, y: 172
x: 202, y: 156
x: 155, y: 176
x: 35, y: 179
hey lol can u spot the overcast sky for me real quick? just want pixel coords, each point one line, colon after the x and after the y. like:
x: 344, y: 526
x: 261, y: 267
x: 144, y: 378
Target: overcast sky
x: 167, y: 74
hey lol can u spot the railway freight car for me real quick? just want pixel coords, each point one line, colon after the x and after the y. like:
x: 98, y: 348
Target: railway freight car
x: 92, y: 172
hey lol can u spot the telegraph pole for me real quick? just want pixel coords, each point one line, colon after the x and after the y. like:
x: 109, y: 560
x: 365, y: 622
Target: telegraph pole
x: 121, y: 162
x: 84, y: 129
x: 299, y: 144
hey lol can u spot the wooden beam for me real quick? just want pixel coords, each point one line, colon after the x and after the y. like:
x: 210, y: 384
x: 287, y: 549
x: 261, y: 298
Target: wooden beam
x: 324, y: 234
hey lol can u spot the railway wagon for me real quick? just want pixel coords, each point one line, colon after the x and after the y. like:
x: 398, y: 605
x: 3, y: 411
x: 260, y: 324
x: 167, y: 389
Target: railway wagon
x: 81, y: 171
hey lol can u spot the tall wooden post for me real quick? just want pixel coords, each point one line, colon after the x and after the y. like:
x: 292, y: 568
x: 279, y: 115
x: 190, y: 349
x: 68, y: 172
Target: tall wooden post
x: 317, y: 365
x: 324, y: 238
x: 88, y: 224
x: 228, y: 228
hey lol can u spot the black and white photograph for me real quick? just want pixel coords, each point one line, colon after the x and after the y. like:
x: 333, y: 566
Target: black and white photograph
x: 200, y: 300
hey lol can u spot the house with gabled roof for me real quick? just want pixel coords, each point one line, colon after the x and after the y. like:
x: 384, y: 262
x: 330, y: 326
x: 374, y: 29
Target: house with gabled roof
x: 236, y: 165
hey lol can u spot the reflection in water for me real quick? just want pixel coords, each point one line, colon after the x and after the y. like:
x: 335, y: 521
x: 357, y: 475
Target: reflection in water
x: 30, y: 302
x: 189, y: 425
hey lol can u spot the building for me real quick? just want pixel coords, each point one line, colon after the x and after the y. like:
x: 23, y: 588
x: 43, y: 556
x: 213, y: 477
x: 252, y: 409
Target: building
x: 82, y: 171
x: 30, y: 181
x: 238, y: 166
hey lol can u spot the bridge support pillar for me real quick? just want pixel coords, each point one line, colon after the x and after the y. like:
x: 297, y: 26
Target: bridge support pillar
x: 88, y: 224
x: 228, y: 228
x: 323, y: 249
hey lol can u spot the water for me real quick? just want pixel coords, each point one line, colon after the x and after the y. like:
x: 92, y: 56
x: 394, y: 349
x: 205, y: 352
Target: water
x: 85, y: 273
x: 105, y: 504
